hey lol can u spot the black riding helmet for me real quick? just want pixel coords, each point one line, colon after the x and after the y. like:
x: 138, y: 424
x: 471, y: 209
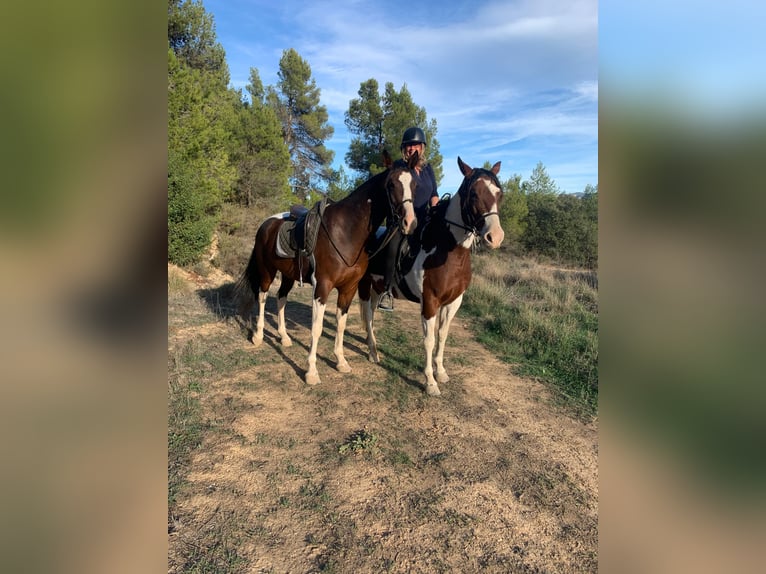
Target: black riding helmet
x: 413, y: 135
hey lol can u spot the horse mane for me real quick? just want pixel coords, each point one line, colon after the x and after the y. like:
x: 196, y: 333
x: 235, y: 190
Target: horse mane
x: 363, y: 188
x: 436, y: 225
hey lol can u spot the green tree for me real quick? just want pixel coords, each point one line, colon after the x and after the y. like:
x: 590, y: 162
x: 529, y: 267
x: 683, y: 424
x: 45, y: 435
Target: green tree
x: 561, y: 226
x: 201, y: 113
x: 540, y: 182
x: 539, y: 233
x: 364, y: 119
x: 260, y: 153
x: 590, y: 225
x: 513, y: 209
x: 304, y: 124
x: 377, y: 122
x: 190, y: 223
x: 340, y: 185
x: 191, y: 35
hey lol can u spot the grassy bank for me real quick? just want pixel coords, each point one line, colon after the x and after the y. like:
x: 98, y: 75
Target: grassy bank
x: 542, y: 317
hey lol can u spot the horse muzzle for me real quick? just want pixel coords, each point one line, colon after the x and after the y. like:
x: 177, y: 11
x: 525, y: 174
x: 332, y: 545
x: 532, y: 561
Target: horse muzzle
x: 409, y: 222
x: 493, y: 234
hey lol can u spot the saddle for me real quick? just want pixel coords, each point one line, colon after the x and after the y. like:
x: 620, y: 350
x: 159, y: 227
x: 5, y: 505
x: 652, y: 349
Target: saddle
x: 298, y: 234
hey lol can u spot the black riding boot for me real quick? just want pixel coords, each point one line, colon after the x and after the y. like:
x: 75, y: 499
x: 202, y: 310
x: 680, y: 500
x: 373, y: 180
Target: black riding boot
x: 386, y: 301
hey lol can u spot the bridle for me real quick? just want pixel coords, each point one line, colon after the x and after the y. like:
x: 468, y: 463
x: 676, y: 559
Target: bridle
x: 389, y: 231
x: 469, y: 221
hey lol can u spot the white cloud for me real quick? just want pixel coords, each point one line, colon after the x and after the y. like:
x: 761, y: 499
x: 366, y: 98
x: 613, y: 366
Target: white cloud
x: 498, y: 76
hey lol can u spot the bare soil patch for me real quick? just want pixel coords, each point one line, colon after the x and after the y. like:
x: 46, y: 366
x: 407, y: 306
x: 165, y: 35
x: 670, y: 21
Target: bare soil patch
x: 364, y: 472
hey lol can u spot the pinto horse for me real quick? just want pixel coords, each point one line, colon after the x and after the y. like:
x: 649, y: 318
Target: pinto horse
x: 338, y: 260
x: 437, y: 270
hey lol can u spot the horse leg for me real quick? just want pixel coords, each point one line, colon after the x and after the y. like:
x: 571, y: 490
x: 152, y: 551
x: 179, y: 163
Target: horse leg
x: 342, y: 365
x: 317, y: 321
x: 258, y: 335
x: 344, y: 302
x: 367, y: 313
x: 261, y: 278
x: 429, y: 328
x: 284, y: 289
x: 446, y: 314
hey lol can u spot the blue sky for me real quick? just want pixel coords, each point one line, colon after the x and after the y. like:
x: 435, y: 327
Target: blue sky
x: 506, y: 80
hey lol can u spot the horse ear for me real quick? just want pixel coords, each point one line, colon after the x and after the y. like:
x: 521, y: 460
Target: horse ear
x: 465, y: 169
x: 496, y: 168
x: 387, y: 161
x: 414, y: 159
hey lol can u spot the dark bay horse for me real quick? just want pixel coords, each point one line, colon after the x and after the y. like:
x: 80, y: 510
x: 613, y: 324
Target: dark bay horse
x: 441, y: 270
x: 338, y: 260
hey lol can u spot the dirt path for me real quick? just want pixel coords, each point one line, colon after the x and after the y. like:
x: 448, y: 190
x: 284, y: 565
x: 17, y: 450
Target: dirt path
x: 365, y: 473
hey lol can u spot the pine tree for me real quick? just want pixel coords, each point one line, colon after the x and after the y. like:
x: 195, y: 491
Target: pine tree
x: 200, y: 176
x: 191, y: 35
x: 378, y: 121
x: 304, y: 124
x: 364, y: 119
x: 261, y: 155
x: 540, y: 182
x: 340, y: 185
x: 560, y: 225
x: 201, y: 113
x: 513, y: 209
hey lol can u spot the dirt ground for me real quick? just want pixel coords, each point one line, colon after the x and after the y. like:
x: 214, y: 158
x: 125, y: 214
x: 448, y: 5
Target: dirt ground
x: 364, y: 472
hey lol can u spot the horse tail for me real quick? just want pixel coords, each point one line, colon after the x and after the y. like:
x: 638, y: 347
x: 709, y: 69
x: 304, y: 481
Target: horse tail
x: 244, y: 288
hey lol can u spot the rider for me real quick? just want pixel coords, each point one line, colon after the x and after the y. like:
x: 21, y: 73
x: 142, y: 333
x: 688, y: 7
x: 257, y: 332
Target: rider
x: 413, y: 140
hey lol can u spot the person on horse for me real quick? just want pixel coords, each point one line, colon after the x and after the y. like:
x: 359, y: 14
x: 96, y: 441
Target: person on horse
x: 413, y: 140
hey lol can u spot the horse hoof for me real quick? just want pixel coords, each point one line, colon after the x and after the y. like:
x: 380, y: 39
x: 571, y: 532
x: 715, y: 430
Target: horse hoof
x: 442, y: 377
x: 287, y: 342
x: 374, y: 358
x: 433, y: 391
x: 257, y: 341
x: 343, y: 367
x: 312, y: 379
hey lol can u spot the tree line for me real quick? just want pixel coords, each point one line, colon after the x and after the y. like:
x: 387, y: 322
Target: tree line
x: 265, y: 149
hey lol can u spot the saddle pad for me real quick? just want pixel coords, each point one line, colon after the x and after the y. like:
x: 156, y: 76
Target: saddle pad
x: 285, y: 245
x: 300, y: 235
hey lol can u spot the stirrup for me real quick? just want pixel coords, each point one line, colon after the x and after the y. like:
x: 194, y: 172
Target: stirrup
x: 386, y: 301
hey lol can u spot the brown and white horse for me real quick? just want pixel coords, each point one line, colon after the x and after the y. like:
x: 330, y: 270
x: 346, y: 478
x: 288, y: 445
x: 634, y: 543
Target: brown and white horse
x: 338, y: 260
x: 441, y: 270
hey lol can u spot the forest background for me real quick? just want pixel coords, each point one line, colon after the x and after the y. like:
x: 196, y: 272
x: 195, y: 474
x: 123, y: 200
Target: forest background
x: 237, y: 157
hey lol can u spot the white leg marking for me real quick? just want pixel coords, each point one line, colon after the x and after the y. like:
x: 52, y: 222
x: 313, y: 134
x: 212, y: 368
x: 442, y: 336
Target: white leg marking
x: 446, y: 314
x: 317, y: 323
x: 429, y: 327
x: 258, y: 336
x: 342, y: 365
x: 281, y: 329
x: 367, y: 312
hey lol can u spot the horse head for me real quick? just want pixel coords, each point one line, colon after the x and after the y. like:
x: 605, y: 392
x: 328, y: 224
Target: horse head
x: 400, y: 189
x: 480, y: 196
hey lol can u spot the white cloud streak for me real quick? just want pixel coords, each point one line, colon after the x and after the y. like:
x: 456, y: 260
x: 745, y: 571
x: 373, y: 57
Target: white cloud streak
x: 495, y: 75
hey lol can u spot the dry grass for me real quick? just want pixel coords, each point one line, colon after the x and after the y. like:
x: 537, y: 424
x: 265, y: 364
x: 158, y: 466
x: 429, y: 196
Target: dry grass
x: 365, y: 473
x: 542, y: 317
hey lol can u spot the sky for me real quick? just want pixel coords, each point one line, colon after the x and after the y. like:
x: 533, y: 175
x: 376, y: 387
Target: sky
x: 514, y: 81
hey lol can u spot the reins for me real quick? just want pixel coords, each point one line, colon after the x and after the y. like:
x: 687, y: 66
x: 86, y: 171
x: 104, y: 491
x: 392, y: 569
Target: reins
x: 329, y: 238
x: 390, y: 230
